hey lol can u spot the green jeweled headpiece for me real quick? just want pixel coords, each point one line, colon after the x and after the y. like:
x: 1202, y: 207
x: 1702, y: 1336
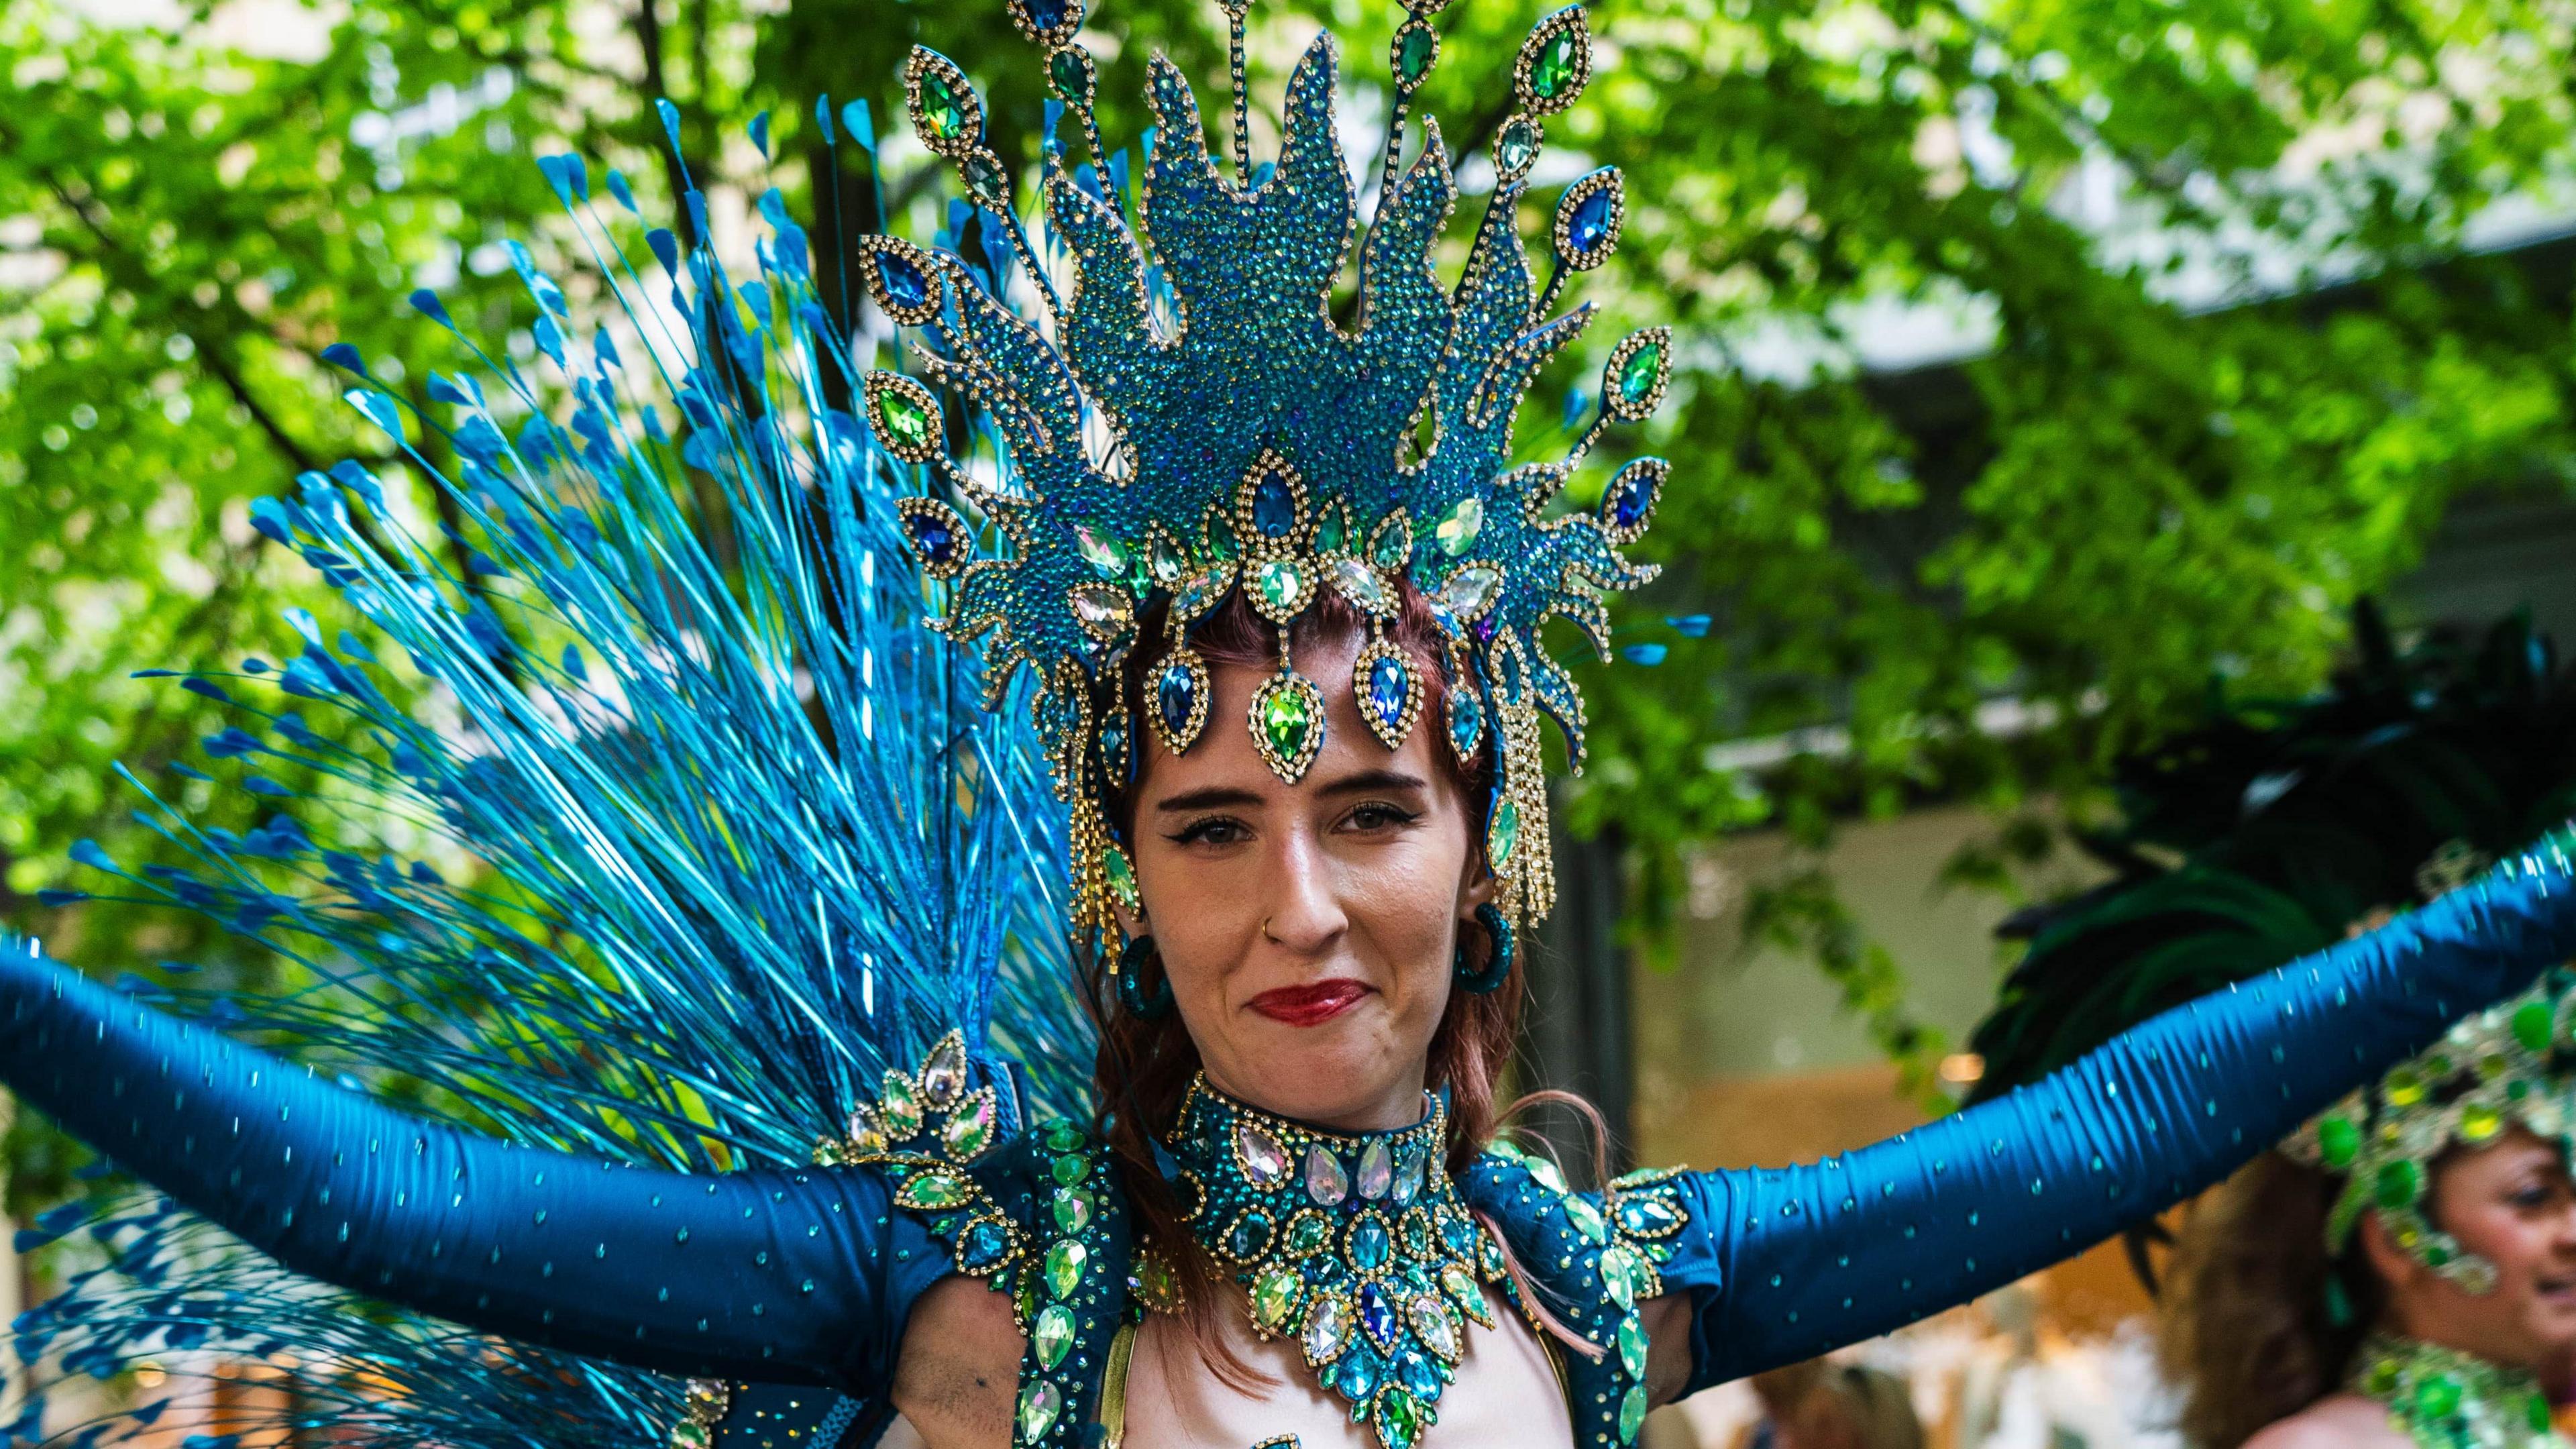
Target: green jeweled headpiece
x: 2510, y: 1064
x: 1179, y: 414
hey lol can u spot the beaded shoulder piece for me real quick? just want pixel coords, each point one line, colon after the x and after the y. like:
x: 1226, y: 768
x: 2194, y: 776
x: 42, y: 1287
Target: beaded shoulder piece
x: 2513, y: 1063
x: 1598, y: 1257
x: 1178, y: 411
x: 1035, y: 1217
x: 2446, y: 1399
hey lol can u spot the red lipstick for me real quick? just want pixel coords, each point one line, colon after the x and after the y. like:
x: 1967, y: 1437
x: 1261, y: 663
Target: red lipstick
x: 1310, y: 1005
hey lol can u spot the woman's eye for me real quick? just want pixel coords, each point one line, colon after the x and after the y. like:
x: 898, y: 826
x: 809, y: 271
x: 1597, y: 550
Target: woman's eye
x: 1380, y: 816
x: 1214, y: 831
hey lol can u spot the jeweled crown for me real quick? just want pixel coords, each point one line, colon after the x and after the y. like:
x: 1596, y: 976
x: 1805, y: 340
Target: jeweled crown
x: 1189, y: 417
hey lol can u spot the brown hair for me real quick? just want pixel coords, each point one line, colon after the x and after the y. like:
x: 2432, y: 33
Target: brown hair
x: 2258, y: 1320
x: 1144, y: 1068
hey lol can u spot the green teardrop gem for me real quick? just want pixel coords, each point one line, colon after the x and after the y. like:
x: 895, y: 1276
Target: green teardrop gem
x: 2338, y: 1142
x: 1280, y: 581
x: 903, y: 419
x: 942, y: 114
x: 2399, y: 1184
x: 1399, y: 1417
x: 1040, y: 1402
x: 1053, y: 1334
x: 1553, y: 71
x: 1121, y: 875
x: 1064, y: 1268
x: 1457, y: 528
x: 1632, y: 1413
x: 1070, y: 76
x: 1414, y: 53
x: 1503, y: 834
x: 1286, y: 721
x: 1274, y: 1297
x: 2478, y: 1122
x: 1637, y: 375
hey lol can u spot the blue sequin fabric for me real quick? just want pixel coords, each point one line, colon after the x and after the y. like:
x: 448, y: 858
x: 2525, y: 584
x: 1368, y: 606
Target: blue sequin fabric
x: 1190, y: 418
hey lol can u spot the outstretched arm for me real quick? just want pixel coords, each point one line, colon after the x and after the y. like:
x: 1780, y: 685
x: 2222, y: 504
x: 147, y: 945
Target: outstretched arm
x: 1783, y: 1265
x: 784, y: 1276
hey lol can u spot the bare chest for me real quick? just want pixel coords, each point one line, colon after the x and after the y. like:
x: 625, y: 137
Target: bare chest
x: 1506, y: 1396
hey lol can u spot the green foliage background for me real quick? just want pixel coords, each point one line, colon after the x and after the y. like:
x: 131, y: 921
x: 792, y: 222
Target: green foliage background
x: 2122, y: 497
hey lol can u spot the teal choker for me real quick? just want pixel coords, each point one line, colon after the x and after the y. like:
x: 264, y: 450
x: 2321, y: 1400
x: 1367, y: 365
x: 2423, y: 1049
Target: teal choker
x: 1357, y: 1247
x: 2446, y: 1399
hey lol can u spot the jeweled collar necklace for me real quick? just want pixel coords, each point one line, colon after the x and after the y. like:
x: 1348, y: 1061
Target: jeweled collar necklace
x: 1356, y: 1246
x: 2446, y: 1399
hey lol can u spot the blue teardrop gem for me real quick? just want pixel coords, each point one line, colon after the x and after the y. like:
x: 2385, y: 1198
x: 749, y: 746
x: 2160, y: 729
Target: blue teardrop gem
x: 1466, y: 721
x: 932, y: 535
x: 1630, y: 500
x: 1177, y: 695
x: 1376, y: 1314
x: 1274, y: 507
x: 1370, y: 1244
x: 1361, y: 1371
x: 1044, y: 15
x: 904, y: 284
x: 1455, y: 1229
x: 1418, y: 1374
x: 1590, y: 224
x: 1113, y: 744
x: 1388, y: 687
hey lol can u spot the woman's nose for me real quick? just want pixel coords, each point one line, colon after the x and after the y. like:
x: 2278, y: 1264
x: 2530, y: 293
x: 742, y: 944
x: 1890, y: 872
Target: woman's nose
x: 1304, y: 912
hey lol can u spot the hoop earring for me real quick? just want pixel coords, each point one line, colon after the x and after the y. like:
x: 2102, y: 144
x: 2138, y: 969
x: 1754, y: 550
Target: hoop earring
x: 1131, y: 986
x: 1497, y: 930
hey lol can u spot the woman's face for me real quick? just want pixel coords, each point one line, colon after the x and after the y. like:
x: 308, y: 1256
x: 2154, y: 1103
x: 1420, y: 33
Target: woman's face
x: 1307, y: 928
x: 2511, y: 1204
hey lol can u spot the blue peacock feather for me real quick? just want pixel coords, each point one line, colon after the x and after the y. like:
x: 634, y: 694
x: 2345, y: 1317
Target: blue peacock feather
x: 745, y: 838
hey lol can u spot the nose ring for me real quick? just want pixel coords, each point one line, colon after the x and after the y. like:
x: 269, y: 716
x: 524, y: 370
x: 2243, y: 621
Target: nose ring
x: 1265, y: 931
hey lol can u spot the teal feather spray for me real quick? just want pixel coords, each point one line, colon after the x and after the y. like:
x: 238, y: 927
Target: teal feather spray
x: 745, y: 839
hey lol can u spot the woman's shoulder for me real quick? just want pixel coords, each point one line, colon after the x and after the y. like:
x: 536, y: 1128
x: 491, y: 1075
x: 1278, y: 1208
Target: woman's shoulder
x: 1597, y: 1258
x: 1525, y: 1194
x: 2336, y: 1421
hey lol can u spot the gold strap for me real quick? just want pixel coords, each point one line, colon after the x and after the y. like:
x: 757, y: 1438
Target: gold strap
x: 1113, y: 1387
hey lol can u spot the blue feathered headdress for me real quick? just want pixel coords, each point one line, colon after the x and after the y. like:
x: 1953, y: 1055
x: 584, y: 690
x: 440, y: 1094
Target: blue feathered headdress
x: 1189, y: 418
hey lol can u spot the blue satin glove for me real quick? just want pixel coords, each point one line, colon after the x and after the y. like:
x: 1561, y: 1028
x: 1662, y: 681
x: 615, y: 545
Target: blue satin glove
x: 781, y: 1276
x: 1782, y: 1265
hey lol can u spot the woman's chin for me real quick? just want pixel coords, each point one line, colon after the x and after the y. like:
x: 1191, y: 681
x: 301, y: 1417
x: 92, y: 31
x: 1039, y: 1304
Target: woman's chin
x: 1327, y: 1073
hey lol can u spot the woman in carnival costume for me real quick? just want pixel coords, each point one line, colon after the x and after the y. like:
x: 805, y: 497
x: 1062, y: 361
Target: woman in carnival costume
x: 769, y: 1097
x: 2404, y: 1269
x: 2404, y: 1266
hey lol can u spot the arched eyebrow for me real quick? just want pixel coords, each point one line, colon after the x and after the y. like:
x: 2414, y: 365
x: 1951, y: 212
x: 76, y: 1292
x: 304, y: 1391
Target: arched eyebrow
x: 1223, y: 797
x: 1215, y: 797
x: 1363, y: 781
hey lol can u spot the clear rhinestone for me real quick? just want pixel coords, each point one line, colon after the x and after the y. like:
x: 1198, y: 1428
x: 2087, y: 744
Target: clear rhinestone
x: 1377, y: 1170
x: 1326, y: 1183
x: 1264, y: 1160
